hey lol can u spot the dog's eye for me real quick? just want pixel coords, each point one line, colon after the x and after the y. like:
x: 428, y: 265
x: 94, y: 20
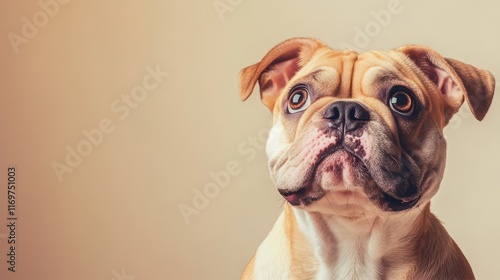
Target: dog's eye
x: 299, y: 100
x: 401, y: 102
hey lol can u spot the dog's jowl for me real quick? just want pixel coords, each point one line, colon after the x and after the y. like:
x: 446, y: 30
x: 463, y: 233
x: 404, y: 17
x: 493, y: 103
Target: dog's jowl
x: 357, y: 151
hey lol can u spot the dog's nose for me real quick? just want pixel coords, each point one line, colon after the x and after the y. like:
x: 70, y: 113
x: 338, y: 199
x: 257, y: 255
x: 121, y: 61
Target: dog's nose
x: 347, y: 114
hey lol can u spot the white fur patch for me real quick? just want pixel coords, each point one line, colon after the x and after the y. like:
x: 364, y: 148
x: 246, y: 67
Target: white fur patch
x: 277, y: 141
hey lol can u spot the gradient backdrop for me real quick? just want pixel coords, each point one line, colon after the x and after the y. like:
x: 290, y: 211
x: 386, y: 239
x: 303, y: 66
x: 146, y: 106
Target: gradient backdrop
x: 78, y: 70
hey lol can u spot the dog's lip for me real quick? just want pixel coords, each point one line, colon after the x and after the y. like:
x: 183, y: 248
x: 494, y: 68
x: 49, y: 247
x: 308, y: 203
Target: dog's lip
x: 299, y: 197
x: 293, y: 197
x: 400, y: 204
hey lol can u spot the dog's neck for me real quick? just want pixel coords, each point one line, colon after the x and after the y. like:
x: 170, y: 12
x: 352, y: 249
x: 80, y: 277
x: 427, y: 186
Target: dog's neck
x: 367, y: 247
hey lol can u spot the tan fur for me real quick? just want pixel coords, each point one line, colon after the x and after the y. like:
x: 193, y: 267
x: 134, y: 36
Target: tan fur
x: 437, y: 256
x: 248, y: 271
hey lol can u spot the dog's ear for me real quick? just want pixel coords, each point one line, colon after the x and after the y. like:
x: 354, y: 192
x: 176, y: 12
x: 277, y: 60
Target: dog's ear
x: 455, y: 79
x: 277, y: 67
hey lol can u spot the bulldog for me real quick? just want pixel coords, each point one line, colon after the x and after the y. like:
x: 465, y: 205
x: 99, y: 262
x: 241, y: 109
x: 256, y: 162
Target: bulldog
x: 357, y: 152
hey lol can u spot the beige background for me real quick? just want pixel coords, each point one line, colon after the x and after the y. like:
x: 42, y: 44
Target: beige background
x: 119, y: 208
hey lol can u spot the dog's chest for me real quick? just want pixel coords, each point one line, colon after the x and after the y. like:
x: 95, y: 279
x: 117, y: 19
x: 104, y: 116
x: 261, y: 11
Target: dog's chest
x: 341, y: 253
x: 354, y: 261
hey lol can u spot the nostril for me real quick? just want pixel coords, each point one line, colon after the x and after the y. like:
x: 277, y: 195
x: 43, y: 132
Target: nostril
x: 333, y: 114
x: 358, y: 113
x: 336, y: 113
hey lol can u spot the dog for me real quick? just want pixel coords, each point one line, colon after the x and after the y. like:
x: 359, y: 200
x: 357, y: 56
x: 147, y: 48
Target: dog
x: 357, y: 151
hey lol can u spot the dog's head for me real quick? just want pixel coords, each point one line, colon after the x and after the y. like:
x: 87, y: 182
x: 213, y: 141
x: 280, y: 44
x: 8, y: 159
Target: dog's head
x: 355, y: 132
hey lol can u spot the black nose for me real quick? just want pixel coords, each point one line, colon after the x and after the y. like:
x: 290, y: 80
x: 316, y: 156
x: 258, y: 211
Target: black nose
x: 346, y: 114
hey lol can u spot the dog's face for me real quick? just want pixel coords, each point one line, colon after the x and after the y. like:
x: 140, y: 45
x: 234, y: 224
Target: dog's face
x: 361, y: 132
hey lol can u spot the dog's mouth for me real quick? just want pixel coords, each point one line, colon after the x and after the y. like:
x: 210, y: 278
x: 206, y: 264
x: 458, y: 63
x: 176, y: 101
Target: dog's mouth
x: 341, y: 169
x: 388, y: 202
x: 338, y: 164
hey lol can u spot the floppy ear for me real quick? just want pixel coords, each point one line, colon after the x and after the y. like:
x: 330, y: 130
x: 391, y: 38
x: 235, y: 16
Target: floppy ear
x: 277, y: 67
x: 456, y: 80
